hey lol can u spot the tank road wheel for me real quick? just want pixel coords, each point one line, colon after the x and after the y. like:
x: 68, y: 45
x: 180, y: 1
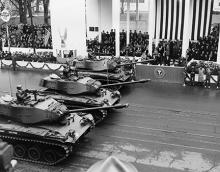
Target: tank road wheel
x: 19, y: 151
x: 50, y: 156
x: 34, y: 153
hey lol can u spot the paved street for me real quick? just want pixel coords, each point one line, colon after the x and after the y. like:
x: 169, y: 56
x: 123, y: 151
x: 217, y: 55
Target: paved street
x: 167, y: 128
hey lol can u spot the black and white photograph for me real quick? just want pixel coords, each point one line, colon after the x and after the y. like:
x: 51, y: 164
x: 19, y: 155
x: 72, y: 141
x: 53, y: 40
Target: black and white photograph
x: 109, y: 85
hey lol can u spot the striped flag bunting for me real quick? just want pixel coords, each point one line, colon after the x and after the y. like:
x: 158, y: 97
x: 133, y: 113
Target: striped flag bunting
x: 170, y: 16
x: 201, y: 18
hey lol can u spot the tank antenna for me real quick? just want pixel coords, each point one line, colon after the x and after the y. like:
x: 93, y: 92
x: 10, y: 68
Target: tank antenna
x: 25, y: 84
x: 9, y: 78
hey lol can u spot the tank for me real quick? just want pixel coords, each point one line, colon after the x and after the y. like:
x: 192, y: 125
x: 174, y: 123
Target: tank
x: 83, y: 91
x: 41, y: 131
x: 107, y: 71
x: 104, y: 98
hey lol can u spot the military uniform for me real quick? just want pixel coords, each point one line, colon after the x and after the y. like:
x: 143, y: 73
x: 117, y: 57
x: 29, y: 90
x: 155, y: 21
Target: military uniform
x: 21, y: 95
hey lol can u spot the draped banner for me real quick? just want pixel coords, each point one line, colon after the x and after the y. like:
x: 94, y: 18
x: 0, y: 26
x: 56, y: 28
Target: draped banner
x: 170, y: 16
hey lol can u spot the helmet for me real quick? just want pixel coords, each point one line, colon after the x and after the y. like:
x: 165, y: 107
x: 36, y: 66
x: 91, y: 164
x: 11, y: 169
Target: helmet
x: 19, y: 87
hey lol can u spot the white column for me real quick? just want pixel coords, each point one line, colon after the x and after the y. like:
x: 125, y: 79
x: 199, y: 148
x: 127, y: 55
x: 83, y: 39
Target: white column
x: 218, y: 54
x: 137, y: 13
x: 158, y: 22
x: 100, y: 14
x: 116, y: 24
x: 151, y: 25
x: 128, y: 22
x: 68, y: 24
x: 187, y: 28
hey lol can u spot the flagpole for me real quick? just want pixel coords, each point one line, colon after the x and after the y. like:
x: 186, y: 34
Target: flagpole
x: 33, y: 37
x: 8, y: 36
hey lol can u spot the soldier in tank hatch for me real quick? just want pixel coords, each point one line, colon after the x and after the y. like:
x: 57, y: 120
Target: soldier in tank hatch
x: 21, y: 95
x: 73, y: 69
x: 70, y: 72
x: 66, y: 71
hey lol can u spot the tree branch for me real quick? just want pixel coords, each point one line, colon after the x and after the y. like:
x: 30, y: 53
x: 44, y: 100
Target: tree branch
x: 16, y: 6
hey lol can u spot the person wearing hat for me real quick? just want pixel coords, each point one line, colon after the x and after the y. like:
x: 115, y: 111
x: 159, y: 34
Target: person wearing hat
x: 73, y: 72
x: 73, y: 69
x: 218, y: 77
x: 70, y: 72
x: 21, y: 95
x: 66, y: 71
x: 208, y: 77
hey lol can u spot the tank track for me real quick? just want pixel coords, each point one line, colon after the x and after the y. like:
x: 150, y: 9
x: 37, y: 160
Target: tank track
x: 29, y: 144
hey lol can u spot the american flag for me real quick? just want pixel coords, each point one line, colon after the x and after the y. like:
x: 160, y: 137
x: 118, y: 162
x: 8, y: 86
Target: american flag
x: 46, y: 37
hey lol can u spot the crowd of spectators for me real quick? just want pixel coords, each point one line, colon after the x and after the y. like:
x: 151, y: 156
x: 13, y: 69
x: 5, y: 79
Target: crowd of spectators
x: 167, y: 53
x: 46, y: 57
x: 27, y: 36
x: 138, y: 44
x: 205, y: 70
x: 205, y: 48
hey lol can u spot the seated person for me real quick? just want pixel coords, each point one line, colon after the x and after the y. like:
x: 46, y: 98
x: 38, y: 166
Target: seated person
x: 73, y: 69
x: 70, y: 72
x: 66, y: 72
x: 22, y: 95
x: 74, y: 73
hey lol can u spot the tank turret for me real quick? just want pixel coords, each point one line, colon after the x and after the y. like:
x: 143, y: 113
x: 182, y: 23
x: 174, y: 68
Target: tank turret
x: 104, y: 64
x: 79, y: 85
x: 96, y: 65
x: 33, y: 111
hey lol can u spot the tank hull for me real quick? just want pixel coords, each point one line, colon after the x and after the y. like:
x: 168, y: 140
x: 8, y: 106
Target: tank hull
x: 45, y: 143
x: 104, y: 77
x: 104, y: 98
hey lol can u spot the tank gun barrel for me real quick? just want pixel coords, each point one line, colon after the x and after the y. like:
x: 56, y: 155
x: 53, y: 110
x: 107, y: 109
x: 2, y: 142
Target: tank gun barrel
x: 144, y: 61
x: 119, y: 106
x: 125, y: 83
x: 32, y: 91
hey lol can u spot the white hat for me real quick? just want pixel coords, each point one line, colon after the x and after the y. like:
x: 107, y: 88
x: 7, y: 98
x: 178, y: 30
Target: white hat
x: 19, y: 86
x: 112, y: 164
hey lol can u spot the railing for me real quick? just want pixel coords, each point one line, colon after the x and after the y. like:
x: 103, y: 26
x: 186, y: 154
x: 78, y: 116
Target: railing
x: 31, y: 65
